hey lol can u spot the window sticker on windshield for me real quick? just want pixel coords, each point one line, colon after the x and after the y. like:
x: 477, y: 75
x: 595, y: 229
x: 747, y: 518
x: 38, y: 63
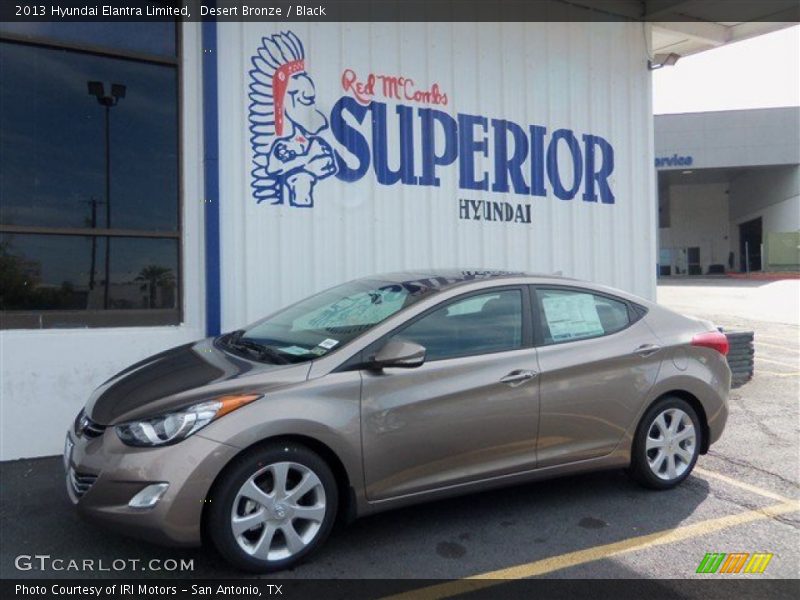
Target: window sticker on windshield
x: 296, y: 350
x: 571, y: 316
x: 319, y: 351
x: 328, y: 343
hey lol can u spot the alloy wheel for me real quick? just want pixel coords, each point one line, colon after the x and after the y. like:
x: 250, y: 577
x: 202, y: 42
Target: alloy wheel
x: 671, y: 444
x: 278, y: 511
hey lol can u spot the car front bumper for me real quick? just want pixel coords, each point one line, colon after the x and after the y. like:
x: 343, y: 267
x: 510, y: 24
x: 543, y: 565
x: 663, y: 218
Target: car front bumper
x: 103, y: 474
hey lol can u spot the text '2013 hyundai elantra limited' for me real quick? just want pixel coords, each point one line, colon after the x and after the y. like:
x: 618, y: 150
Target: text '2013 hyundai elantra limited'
x: 388, y: 391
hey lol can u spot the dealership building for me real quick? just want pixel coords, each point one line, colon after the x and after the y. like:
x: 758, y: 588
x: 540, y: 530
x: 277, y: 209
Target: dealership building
x: 728, y: 191
x: 162, y: 182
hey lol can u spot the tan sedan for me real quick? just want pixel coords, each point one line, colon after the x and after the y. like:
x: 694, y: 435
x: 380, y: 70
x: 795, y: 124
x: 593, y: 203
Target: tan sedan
x: 388, y: 391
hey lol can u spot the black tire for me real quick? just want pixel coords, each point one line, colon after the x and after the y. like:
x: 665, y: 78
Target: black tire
x: 639, y: 468
x: 744, y: 365
x: 742, y: 370
x: 740, y: 360
x: 236, y: 474
x: 739, y: 336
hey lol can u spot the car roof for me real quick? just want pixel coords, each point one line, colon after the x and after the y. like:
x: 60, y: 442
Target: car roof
x: 438, y: 280
x: 444, y: 279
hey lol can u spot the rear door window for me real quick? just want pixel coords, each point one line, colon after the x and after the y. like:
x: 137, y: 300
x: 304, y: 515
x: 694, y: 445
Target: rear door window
x: 567, y: 315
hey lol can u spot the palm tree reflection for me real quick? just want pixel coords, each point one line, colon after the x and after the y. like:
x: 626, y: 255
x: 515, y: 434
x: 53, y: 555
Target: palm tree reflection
x: 154, y: 278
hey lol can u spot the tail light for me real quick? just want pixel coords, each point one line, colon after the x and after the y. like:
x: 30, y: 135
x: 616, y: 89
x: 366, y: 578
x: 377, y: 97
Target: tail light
x: 712, y: 339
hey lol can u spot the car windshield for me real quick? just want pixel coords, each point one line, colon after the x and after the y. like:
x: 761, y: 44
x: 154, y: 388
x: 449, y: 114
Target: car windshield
x: 326, y: 321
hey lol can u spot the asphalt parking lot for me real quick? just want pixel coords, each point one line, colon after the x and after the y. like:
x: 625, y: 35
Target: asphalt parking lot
x: 742, y: 498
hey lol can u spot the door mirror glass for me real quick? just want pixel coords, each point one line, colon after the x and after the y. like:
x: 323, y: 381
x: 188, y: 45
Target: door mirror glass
x: 399, y: 354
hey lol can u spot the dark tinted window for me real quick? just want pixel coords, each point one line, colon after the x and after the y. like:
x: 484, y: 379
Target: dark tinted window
x: 573, y: 315
x: 480, y: 324
x: 89, y: 206
x: 52, y: 140
x: 67, y: 273
x: 153, y: 37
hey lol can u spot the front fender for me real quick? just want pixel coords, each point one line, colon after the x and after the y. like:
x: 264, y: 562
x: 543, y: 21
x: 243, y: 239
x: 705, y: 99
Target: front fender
x: 326, y: 410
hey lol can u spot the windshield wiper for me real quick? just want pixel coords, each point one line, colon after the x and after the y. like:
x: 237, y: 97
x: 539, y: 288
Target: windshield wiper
x: 261, y: 351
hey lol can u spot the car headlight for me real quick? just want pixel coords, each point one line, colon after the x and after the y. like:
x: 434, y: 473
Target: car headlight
x: 176, y: 426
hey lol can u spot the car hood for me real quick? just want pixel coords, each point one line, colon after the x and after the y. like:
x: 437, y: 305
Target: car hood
x: 182, y: 376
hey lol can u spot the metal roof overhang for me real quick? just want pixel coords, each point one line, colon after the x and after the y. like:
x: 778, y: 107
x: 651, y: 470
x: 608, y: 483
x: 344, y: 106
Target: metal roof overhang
x: 685, y: 27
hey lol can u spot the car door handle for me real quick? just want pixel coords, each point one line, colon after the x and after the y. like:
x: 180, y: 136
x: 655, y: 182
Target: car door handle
x: 518, y: 377
x: 646, y: 350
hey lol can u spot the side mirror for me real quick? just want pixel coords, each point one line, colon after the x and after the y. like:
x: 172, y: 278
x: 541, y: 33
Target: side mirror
x: 399, y: 354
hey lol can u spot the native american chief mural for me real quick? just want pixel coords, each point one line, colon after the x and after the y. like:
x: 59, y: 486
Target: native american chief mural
x: 289, y: 155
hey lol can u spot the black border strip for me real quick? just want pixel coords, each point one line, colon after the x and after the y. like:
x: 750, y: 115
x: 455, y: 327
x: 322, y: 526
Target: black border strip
x: 283, y: 11
x: 706, y: 588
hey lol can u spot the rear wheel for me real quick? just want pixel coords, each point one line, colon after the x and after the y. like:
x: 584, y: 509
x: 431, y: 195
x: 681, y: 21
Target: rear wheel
x: 272, y: 507
x: 666, y: 444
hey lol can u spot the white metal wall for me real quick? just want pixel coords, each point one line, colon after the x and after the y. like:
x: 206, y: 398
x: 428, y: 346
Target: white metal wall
x: 587, y: 77
x: 47, y: 375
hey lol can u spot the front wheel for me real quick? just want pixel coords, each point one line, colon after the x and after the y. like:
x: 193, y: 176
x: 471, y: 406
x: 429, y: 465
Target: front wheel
x: 272, y: 507
x: 666, y: 444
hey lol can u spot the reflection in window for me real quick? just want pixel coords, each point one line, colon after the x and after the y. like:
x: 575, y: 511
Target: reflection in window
x: 156, y: 38
x: 66, y: 273
x: 89, y: 207
x: 52, y: 140
x: 480, y: 324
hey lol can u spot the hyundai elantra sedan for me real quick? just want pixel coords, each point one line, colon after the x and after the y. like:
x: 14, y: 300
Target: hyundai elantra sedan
x: 388, y: 391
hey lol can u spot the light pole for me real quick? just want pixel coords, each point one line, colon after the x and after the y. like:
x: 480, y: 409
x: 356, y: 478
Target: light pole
x: 93, y: 222
x: 97, y: 90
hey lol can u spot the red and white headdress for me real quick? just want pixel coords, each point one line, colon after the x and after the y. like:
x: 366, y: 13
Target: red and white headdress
x: 279, y: 57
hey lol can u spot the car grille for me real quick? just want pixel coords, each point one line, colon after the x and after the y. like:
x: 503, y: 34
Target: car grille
x: 80, y: 482
x: 88, y: 428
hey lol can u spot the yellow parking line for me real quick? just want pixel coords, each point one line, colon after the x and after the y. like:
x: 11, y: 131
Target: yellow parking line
x: 741, y: 484
x: 761, y: 336
x: 776, y: 362
x: 777, y: 374
x: 758, y: 342
x: 579, y: 557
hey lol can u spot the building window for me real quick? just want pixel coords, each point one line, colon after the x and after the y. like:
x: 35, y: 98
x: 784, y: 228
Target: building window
x: 90, y: 230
